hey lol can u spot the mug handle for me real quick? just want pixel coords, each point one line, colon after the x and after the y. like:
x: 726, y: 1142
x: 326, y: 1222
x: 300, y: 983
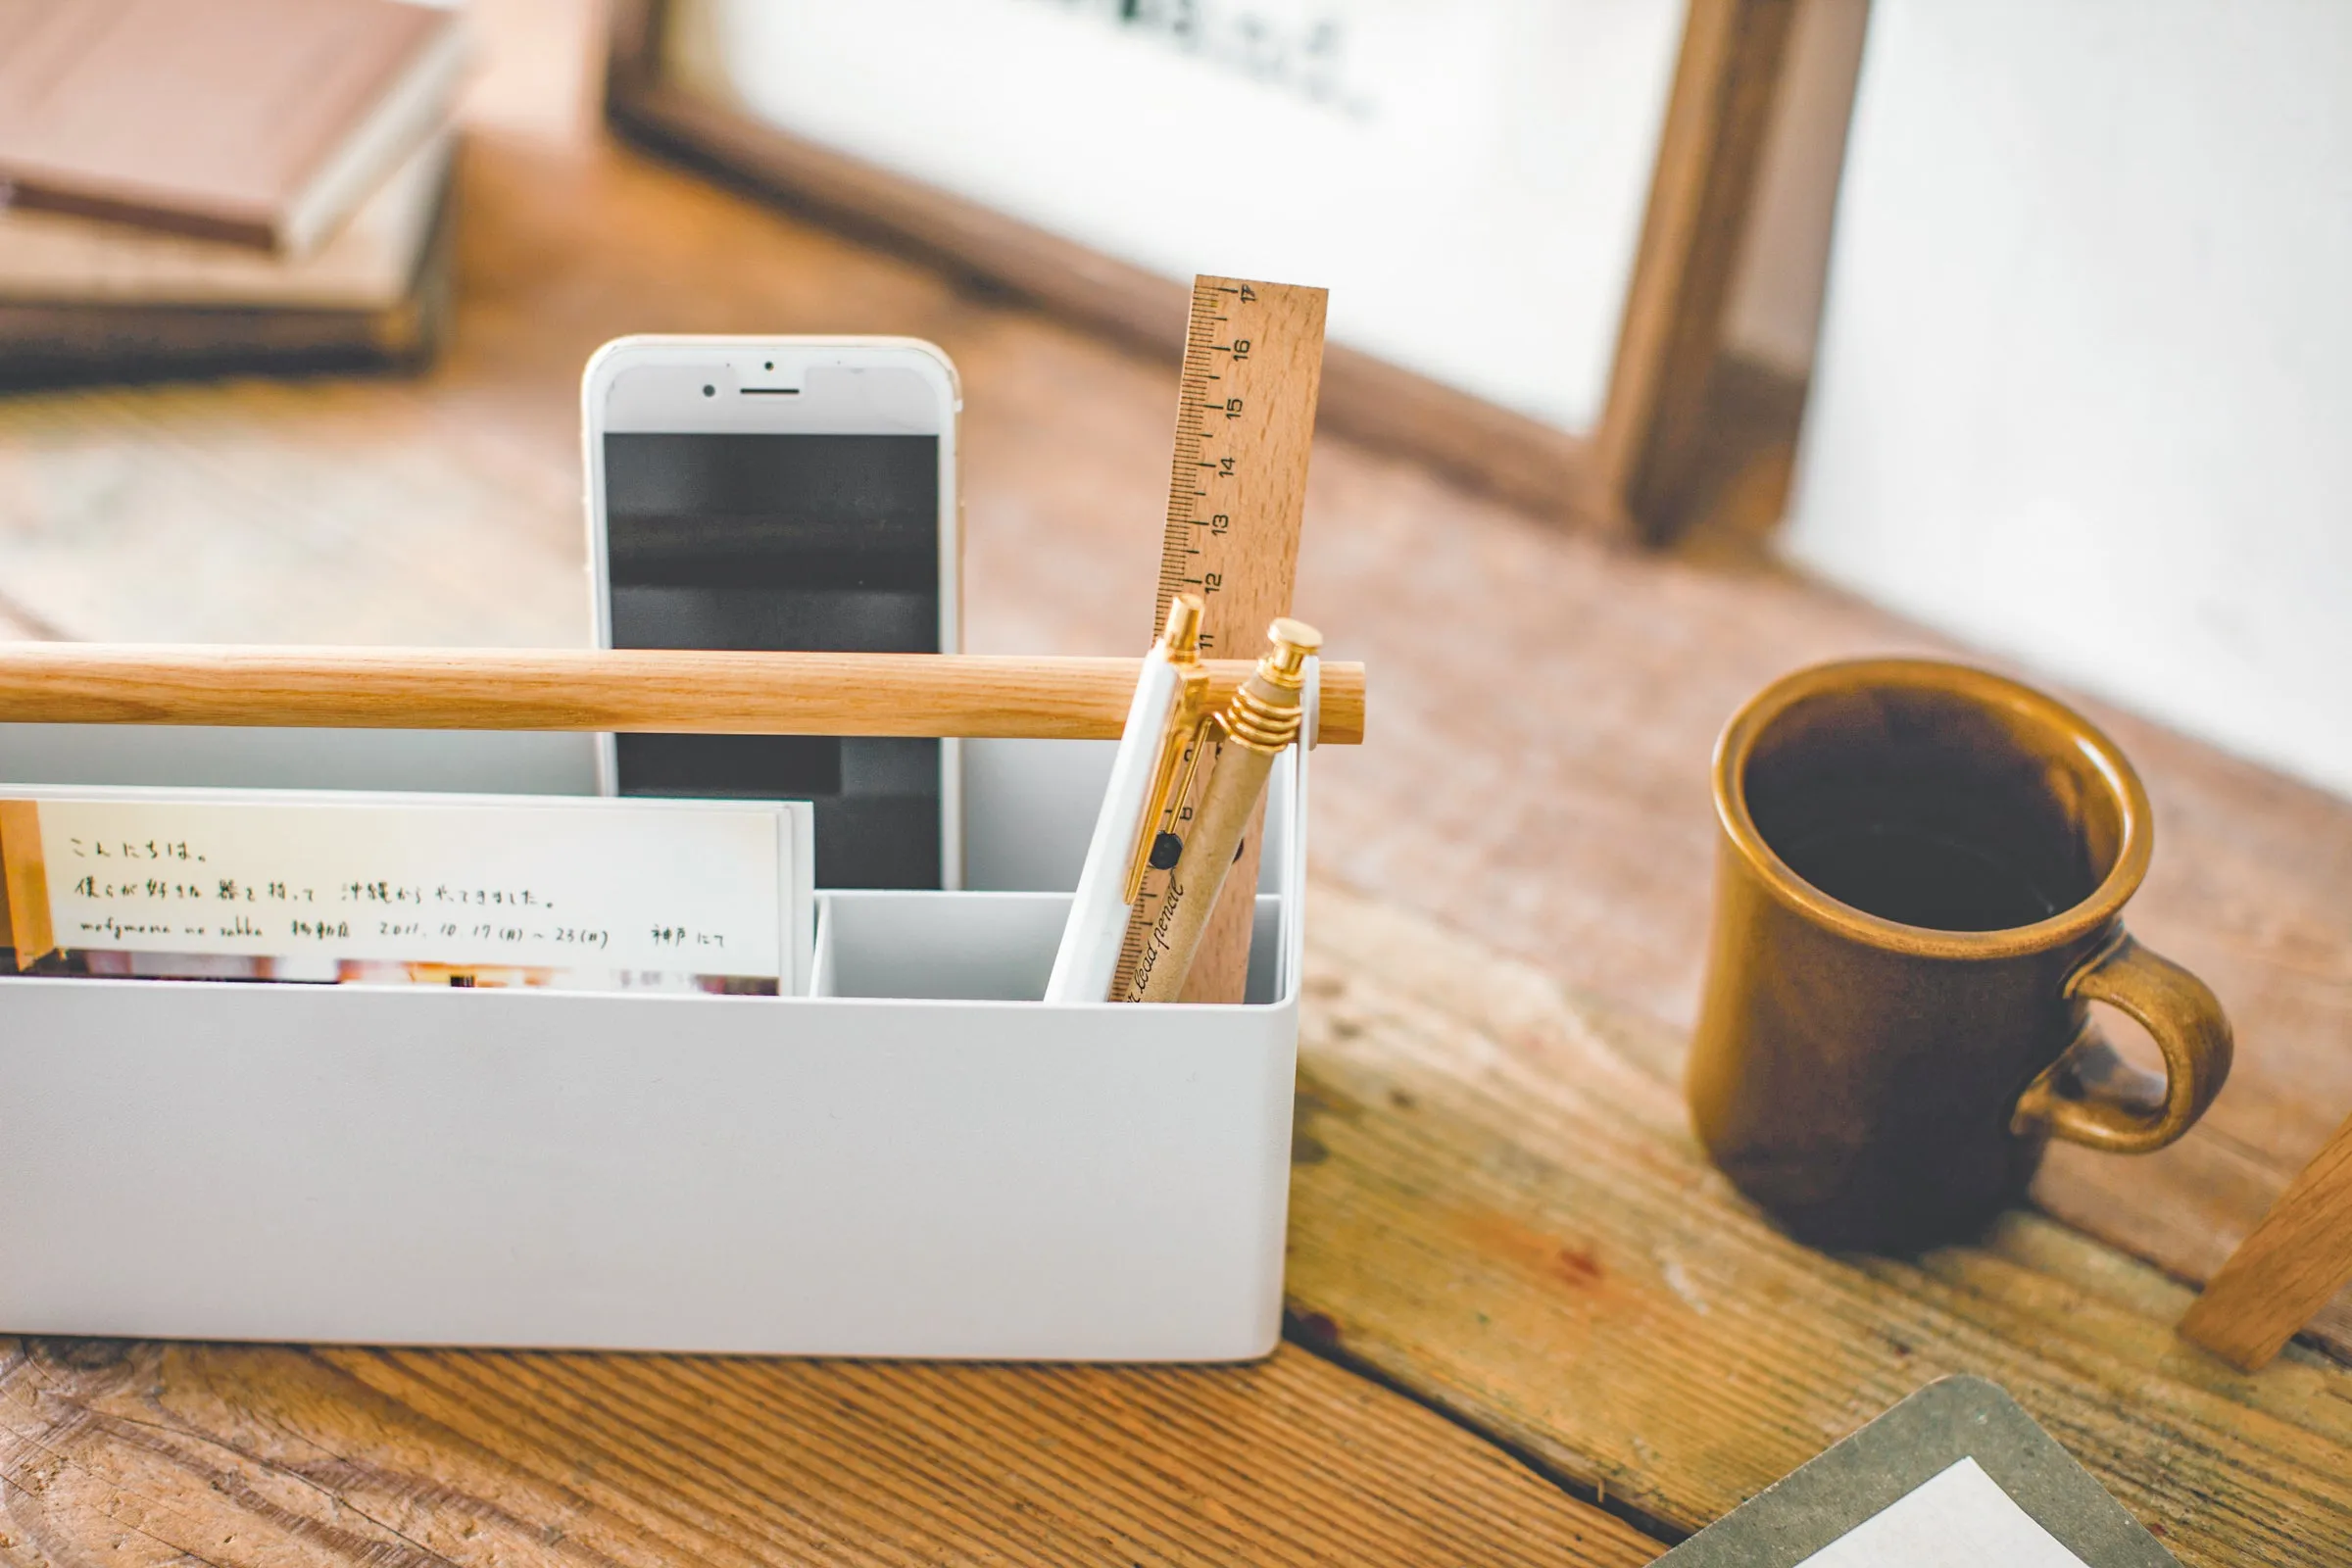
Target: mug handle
x: 2092, y: 1095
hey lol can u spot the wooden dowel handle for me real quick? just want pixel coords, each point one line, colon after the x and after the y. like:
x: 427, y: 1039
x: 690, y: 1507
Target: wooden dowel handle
x: 588, y: 689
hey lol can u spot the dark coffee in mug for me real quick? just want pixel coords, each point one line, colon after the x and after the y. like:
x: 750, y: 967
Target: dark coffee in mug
x: 1919, y: 876
x: 1918, y: 893
x: 1924, y: 819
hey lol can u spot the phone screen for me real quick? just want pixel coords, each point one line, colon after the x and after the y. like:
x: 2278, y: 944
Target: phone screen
x: 826, y: 543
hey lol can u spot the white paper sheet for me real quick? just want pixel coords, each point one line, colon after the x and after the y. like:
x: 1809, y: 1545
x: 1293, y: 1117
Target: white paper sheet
x: 1960, y: 1519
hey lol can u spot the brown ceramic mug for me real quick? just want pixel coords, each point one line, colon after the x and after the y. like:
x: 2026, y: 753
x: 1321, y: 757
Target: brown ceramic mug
x: 1918, y: 891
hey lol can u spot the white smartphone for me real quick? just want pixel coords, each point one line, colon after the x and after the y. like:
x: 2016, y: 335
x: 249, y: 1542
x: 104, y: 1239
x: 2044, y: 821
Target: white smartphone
x: 784, y: 493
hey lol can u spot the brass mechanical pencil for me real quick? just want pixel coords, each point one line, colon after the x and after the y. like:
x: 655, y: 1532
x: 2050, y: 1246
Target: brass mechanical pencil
x: 1254, y: 728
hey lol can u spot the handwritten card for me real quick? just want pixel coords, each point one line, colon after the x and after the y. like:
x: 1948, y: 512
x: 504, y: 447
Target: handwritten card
x: 515, y: 883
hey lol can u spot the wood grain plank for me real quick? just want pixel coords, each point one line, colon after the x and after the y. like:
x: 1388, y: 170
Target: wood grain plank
x: 142, y: 1453
x: 1499, y: 1206
x: 216, y: 530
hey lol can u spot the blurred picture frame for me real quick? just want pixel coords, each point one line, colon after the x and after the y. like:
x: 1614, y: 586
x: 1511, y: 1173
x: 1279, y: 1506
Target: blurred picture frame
x: 1614, y: 456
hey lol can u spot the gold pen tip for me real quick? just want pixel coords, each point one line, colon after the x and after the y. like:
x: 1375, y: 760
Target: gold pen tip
x: 1295, y: 632
x: 1182, y: 635
x: 1295, y: 642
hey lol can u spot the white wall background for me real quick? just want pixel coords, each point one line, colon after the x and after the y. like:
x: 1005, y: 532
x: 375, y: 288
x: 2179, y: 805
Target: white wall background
x: 1467, y: 177
x: 2083, y: 392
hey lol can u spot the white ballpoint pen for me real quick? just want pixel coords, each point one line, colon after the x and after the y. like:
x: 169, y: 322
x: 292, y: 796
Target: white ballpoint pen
x: 1164, y: 726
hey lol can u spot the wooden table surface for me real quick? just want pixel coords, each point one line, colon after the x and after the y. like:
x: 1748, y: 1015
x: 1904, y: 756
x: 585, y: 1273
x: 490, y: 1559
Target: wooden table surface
x: 1529, y: 1323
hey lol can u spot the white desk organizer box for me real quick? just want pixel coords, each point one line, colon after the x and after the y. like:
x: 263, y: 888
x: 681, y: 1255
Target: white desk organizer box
x: 918, y: 1160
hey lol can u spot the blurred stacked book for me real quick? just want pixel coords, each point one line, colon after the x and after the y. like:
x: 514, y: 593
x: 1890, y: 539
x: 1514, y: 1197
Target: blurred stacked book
x: 209, y: 185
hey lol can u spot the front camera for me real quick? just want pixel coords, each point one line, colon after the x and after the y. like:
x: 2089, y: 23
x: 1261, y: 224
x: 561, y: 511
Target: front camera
x: 710, y: 391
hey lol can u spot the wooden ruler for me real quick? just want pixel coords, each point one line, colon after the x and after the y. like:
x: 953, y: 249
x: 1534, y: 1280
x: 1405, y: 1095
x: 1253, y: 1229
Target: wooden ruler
x: 1237, y: 494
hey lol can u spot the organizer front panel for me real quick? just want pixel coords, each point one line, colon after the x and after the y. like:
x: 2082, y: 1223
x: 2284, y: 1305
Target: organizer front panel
x: 845, y: 1177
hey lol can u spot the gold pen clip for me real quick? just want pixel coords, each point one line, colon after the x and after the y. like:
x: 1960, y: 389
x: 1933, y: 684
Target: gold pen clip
x: 1180, y: 744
